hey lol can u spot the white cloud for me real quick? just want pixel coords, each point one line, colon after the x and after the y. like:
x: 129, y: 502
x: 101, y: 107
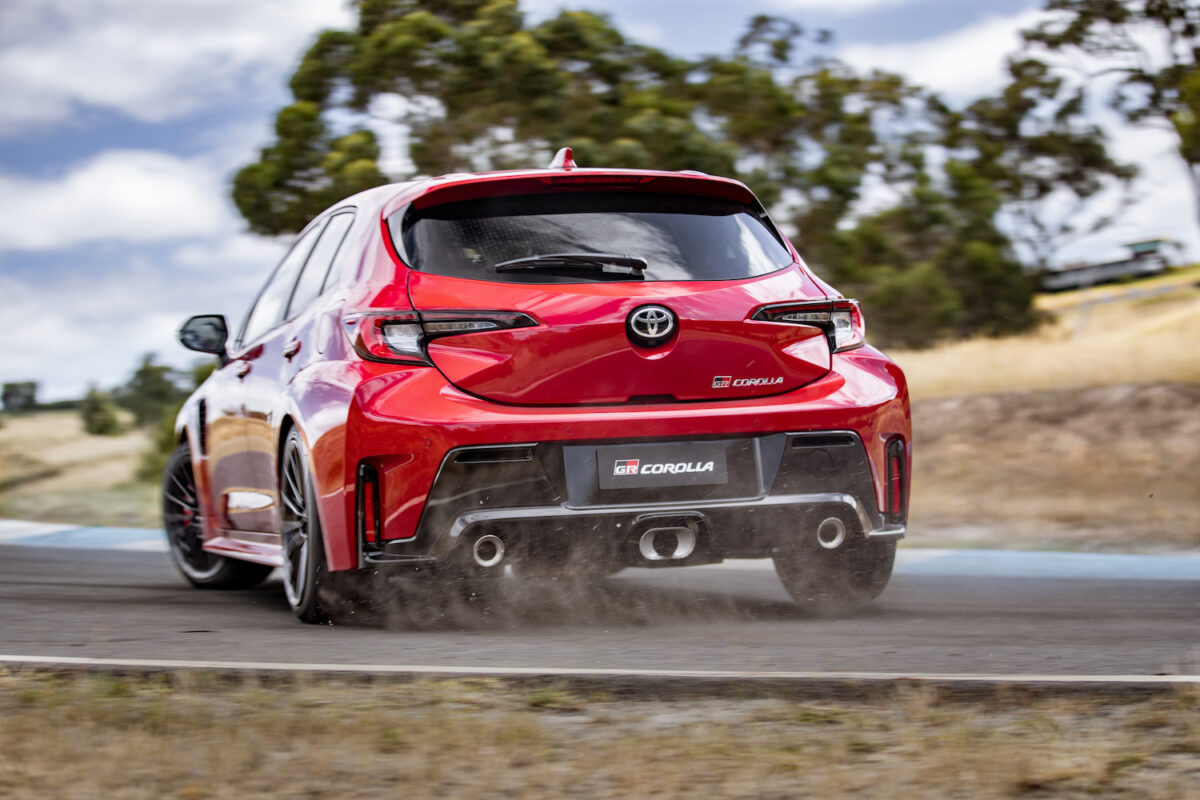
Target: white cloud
x: 156, y: 235
x: 386, y: 120
x: 92, y: 327
x: 845, y: 7
x: 126, y: 195
x: 1164, y: 206
x: 237, y: 250
x: 120, y: 302
x: 146, y: 59
x: 960, y: 65
x: 645, y: 32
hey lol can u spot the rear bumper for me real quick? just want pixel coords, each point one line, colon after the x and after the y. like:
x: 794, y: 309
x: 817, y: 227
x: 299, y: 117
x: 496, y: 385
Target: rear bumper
x: 546, y: 496
x: 410, y: 428
x: 729, y: 529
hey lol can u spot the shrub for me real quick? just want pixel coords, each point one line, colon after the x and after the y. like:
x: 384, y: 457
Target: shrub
x: 99, y: 414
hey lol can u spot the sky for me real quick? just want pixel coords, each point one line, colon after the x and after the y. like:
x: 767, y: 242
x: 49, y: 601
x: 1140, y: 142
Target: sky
x: 122, y: 122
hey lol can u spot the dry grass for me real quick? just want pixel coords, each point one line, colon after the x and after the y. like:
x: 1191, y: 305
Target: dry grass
x: 1108, y: 467
x: 52, y: 471
x: 1102, y: 336
x: 192, y: 736
x: 1178, y: 278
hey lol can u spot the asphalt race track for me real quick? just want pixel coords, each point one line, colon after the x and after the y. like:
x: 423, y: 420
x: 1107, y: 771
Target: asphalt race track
x: 945, y: 612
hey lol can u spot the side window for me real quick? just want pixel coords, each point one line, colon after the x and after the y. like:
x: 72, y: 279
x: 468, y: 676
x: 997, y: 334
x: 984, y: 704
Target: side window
x: 312, y: 279
x: 268, y: 309
x: 346, y: 262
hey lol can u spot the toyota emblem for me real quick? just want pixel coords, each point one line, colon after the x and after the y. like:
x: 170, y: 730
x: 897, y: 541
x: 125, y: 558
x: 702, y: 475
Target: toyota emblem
x: 650, y: 326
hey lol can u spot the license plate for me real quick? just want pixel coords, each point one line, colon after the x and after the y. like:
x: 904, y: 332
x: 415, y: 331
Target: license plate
x: 639, y: 466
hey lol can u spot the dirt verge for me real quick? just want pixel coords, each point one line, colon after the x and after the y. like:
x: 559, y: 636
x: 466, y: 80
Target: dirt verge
x: 1107, y: 467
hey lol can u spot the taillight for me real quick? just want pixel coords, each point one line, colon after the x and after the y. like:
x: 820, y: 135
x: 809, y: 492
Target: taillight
x: 596, y: 180
x: 842, y: 320
x: 897, y: 495
x: 399, y: 337
x: 445, y: 323
x: 392, y: 336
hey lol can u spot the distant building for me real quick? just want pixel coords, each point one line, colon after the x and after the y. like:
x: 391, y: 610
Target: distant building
x: 1145, y: 259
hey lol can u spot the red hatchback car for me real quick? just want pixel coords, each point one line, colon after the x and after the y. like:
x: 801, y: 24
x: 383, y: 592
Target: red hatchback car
x: 569, y: 371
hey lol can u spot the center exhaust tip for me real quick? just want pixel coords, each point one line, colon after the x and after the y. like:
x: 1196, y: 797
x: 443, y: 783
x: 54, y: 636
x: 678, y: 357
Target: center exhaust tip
x: 488, y: 550
x: 831, y: 533
x: 663, y: 544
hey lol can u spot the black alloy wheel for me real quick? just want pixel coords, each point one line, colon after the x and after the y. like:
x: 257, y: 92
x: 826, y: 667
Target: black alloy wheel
x: 305, y: 576
x: 183, y: 519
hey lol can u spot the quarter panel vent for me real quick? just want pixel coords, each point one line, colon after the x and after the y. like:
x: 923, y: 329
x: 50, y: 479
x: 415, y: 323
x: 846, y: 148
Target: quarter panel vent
x: 202, y: 433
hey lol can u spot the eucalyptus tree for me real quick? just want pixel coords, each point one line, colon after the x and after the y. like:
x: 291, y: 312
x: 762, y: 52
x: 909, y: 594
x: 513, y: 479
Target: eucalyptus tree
x: 887, y: 190
x: 1153, y: 49
x: 473, y: 87
x: 1049, y: 162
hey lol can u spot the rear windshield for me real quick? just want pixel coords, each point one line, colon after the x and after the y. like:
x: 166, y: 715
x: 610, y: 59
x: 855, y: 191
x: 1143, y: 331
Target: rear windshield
x: 679, y: 237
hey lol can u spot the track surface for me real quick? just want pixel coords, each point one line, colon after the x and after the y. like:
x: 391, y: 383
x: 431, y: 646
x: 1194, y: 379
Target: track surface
x: 126, y: 604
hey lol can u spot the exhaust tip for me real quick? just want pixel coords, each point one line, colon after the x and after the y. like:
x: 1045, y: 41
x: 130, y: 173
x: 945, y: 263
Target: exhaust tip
x: 831, y: 533
x: 667, y: 544
x: 488, y: 550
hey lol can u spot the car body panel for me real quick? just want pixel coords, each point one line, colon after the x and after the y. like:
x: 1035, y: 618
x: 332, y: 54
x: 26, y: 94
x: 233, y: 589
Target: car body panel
x: 410, y: 419
x: 230, y: 466
x: 579, y: 353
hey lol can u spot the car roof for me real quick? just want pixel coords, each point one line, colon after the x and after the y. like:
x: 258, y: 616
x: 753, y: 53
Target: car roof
x: 462, y: 185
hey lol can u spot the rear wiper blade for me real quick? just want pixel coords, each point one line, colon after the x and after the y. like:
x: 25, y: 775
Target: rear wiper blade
x: 605, y: 262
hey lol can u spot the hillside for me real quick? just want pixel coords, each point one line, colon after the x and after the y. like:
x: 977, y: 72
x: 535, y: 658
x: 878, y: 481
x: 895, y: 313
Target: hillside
x: 1126, y: 333
x: 1109, y: 467
x: 51, y: 470
x: 1083, y: 434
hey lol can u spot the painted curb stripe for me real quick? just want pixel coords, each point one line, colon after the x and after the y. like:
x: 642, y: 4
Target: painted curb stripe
x: 580, y: 672
x: 910, y: 561
x: 41, y: 534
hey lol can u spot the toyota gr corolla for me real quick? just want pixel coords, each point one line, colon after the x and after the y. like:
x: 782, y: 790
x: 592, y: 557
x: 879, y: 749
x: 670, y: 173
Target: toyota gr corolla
x: 567, y: 371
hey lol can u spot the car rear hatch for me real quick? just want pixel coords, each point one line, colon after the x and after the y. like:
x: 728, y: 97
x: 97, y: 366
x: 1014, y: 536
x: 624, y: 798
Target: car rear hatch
x: 631, y: 293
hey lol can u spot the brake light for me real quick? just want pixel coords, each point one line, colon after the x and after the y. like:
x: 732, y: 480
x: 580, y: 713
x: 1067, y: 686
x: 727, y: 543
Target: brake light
x: 842, y: 320
x: 849, y: 327
x: 897, y: 495
x: 399, y: 337
x: 443, y: 323
x: 392, y: 336
x: 597, y: 180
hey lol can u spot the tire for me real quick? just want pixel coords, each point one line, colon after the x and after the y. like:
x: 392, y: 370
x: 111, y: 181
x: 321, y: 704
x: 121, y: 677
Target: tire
x: 832, y: 582
x: 183, y: 521
x: 305, y: 575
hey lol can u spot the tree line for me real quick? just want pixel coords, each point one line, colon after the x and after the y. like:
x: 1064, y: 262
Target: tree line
x: 150, y: 400
x: 936, y: 217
